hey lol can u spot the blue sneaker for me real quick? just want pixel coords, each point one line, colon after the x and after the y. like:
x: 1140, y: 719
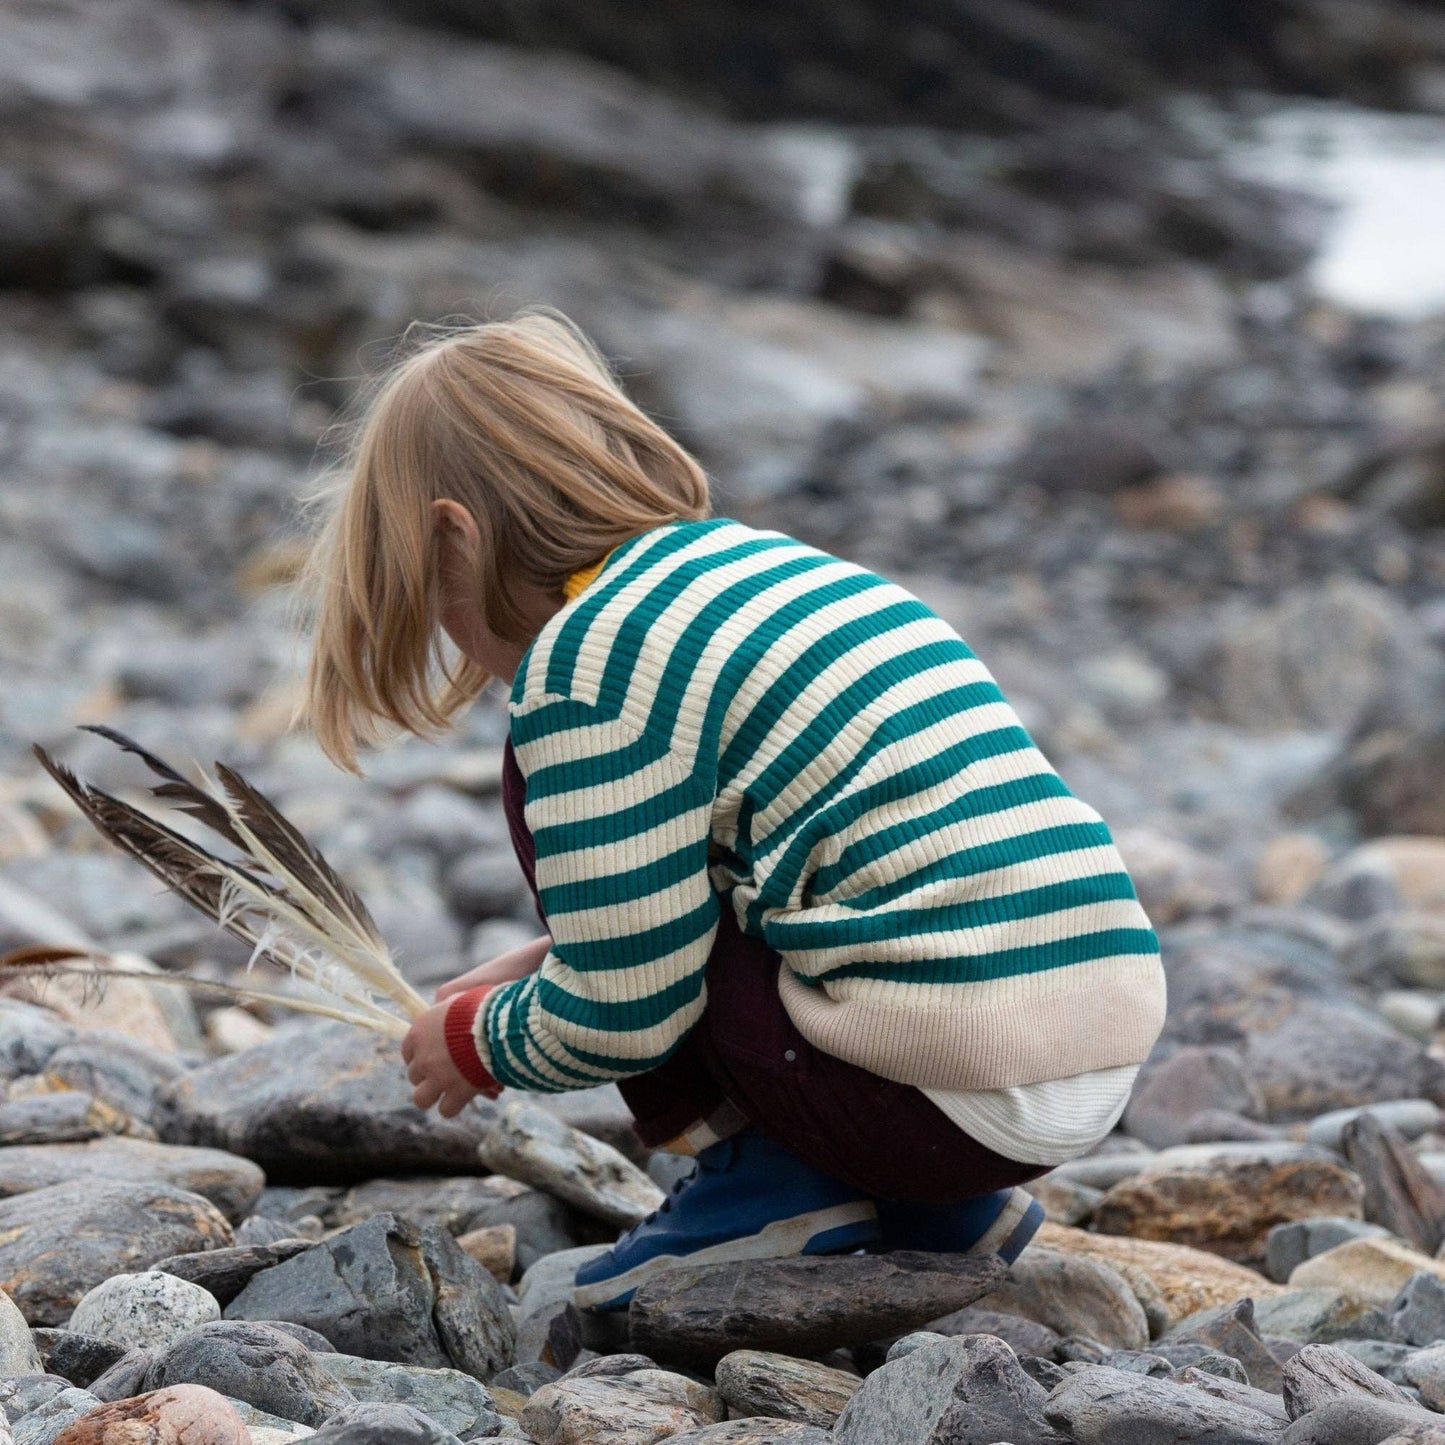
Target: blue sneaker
x: 1001, y: 1223
x: 748, y: 1198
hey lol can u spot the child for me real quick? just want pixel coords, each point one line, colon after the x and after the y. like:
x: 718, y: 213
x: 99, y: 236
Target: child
x: 812, y: 896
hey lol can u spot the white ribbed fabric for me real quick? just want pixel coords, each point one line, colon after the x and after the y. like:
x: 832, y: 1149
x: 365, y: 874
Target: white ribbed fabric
x: 1047, y: 1123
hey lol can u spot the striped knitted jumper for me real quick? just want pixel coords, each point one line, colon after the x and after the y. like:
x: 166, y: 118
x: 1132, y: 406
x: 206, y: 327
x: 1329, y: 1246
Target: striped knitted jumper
x: 726, y: 717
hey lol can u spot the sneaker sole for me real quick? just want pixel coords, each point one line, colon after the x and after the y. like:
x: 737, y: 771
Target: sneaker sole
x: 823, y: 1231
x: 1016, y: 1225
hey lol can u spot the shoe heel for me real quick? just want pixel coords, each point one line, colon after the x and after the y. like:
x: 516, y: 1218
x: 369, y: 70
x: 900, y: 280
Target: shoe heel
x: 1023, y: 1232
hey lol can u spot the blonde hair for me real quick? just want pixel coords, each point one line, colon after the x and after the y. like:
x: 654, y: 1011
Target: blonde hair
x: 523, y: 423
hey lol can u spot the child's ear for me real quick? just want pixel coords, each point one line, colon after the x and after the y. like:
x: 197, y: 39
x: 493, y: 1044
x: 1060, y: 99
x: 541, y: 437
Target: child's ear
x: 451, y: 517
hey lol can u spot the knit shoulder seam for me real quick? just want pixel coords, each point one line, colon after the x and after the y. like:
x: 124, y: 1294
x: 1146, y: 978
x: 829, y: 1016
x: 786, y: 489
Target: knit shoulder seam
x: 607, y: 714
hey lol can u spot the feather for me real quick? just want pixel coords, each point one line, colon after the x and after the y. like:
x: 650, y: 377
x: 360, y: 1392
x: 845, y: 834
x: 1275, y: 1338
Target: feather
x: 280, y: 895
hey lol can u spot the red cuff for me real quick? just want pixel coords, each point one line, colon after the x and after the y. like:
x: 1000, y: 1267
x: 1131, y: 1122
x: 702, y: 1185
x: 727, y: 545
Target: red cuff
x: 461, y: 1017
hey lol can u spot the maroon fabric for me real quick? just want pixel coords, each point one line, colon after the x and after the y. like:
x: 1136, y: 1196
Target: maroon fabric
x: 888, y: 1139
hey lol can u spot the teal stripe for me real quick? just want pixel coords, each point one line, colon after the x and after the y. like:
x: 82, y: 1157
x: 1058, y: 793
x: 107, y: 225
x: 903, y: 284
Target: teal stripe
x: 962, y: 862
x: 622, y: 1016
x: 803, y: 936
x: 630, y: 884
x: 607, y: 829
x: 633, y: 950
x: 783, y: 693
x: 1004, y: 963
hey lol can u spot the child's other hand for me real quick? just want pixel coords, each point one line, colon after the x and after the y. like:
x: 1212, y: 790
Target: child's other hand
x: 435, y: 1078
x: 514, y: 963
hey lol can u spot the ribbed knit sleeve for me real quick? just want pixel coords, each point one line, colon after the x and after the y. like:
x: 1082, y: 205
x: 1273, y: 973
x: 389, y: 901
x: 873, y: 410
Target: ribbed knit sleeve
x: 621, y: 824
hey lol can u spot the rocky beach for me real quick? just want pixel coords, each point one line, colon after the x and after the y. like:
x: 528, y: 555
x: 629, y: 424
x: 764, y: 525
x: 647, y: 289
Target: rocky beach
x: 1073, y: 319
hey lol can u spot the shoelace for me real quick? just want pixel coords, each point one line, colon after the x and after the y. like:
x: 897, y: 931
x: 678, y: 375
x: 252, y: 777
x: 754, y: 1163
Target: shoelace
x: 662, y: 1208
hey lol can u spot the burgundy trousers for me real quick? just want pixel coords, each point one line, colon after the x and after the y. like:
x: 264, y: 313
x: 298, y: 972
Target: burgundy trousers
x: 885, y: 1138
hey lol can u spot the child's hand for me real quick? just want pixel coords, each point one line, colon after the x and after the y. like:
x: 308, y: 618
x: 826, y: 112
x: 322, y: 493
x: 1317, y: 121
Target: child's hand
x: 434, y: 1076
x: 514, y: 963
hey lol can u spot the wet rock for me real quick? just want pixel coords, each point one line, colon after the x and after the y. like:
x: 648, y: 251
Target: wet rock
x: 1190, y: 1081
x: 384, y: 1290
x: 1100, y: 1406
x: 1186, y: 1280
x: 969, y: 1391
x: 698, y: 1314
x: 1287, y: 1246
x: 754, y: 1382
x: 613, y: 1409
x: 1228, y: 1208
x: 319, y: 1102
x: 76, y: 1358
x: 457, y: 1402
x: 1073, y: 1295
x: 224, y: 1273
x: 66, y: 1117
x: 149, y: 1309
x: 1417, y: 1313
x: 1321, y: 1373
x: 536, y: 1148
x: 1400, y: 1194
x: 1372, y: 1271
x: 254, y: 1363
x: 372, y: 1424
x: 230, y: 1183
x: 58, y: 1243
x: 180, y: 1415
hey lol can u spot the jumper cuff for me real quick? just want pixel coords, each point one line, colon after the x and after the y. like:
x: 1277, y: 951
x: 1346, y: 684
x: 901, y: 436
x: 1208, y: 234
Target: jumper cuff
x: 459, y: 1032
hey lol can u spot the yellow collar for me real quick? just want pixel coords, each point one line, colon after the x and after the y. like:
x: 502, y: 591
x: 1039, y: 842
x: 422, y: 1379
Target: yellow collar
x: 578, y: 580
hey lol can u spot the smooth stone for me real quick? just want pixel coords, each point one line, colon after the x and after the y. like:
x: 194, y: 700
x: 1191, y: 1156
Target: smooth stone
x: 450, y: 1202
x: 76, y: 1358
x: 1231, y: 1330
x: 18, y: 1352
x: 969, y: 1391
x: 550, y: 1281
x: 1064, y: 1201
x: 457, y: 1402
x: 1102, y: 1171
x: 525, y: 1380
x: 616, y: 1409
x: 1320, y: 1373
x: 1224, y: 1387
x: 1073, y: 1294
x: 121, y: 1071
x: 1186, y: 1280
x: 1023, y: 1336
x: 1425, y: 1370
x: 254, y: 1363
x: 126, y: 1377
x: 372, y: 1424
x: 906, y: 1344
x: 544, y: 1225
x: 65, y: 1117
x: 1359, y: 1420
x: 696, y: 1314
x: 1372, y: 1270
x: 1171, y: 1094
x: 1288, y: 1245
x: 384, y: 1290
x: 179, y: 1415
x: 1312, y: 1316
x: 319, y: 1102
x: 1412, y: 1011
x: 1227, y: 1208
x: 28, y: 1392
x: 530, y: 1145
x: 1242, y: 1151
x: 258, y: 1229
x: 57, y: 1244
x: 1100, y: 1406
x: 494, y: 1248
x: 149, y: 1309
x: 1417, y: 1313
x: 233, y: 1185
x: 1410, y: 1117
x: 1381, y: 1356
x: 29, y: 1035
x: 753, y: 1431
x: 43, y: 1424
x: 224, y: 1273
x: 756, y: 1382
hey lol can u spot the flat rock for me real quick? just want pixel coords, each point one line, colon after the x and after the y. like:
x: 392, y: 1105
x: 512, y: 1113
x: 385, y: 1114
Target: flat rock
x: 1373, y: 1271
x: 179, y: 1415
x: 1073, y: 1295
x: 451, y: 1202
x: 755, y: 1382
x: 255, y: 1363
x: 1228, y: 1208
x: 1312, y: 1316
x: 148, y: 1309
x: 372, y: 1424
x: 232, y: 1184
x: 1320, y: 1373
x: 319, y: 1102
x: 1186, y: 1279
x: 806, y: 1306
x: 968, y: 1391
x: 1409, y: 1117
x: 224, y: 1273
x: 1102, y: 1406
x: 387, y: 1291
x: 1023, y: 1336
x: 619, y: 1409
x: 41, y: 1425
x: 533, y: 1146
x: 64, y: 1117
x: 1288, y: 1245
x: 1362, y: 1420
x: 58, y: 1243
x: 754, y: 1431
x: 457, y: 1402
